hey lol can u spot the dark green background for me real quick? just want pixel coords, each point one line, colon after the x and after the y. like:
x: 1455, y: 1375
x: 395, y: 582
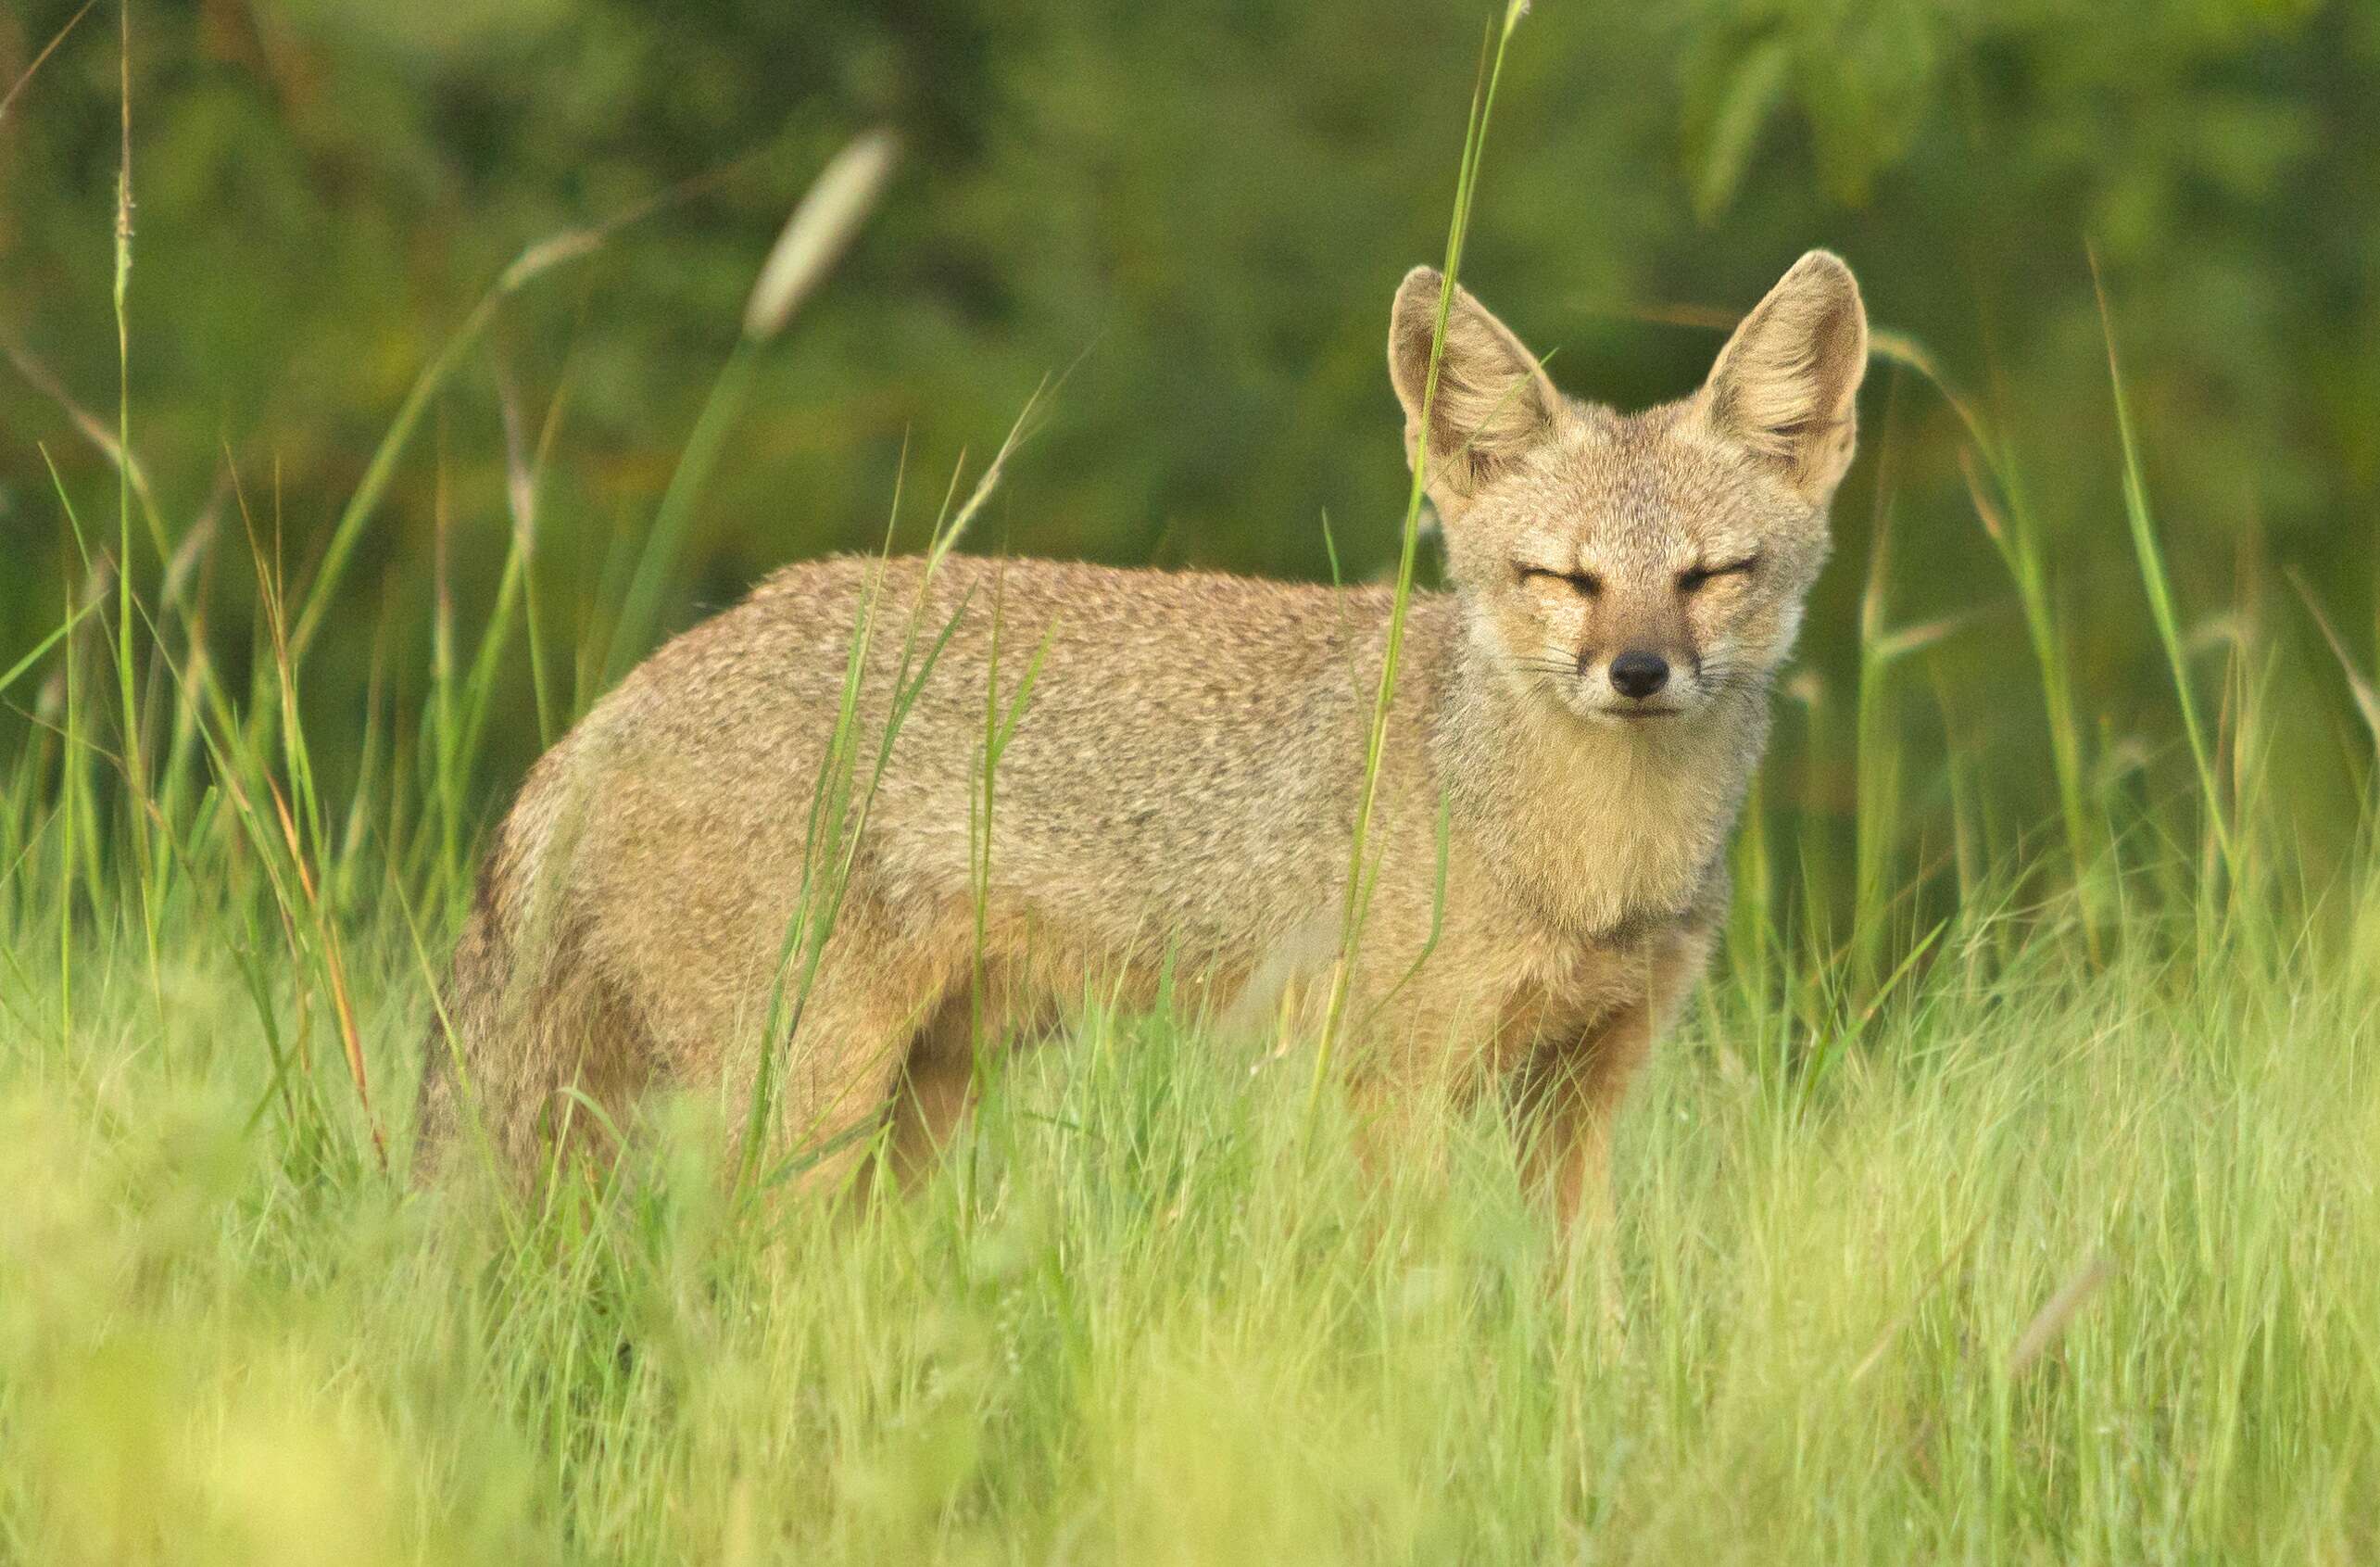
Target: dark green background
x: 1202, y: 208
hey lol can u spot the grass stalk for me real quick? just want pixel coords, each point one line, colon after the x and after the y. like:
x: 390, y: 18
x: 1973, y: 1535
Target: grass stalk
x: 1356, y: 899
x: 2151, y: 558
x: 822, y: 226
x: 2010, y: 523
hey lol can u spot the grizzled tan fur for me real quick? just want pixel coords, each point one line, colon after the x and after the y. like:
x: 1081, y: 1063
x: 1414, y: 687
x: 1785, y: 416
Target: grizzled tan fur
x: 1181, y: 786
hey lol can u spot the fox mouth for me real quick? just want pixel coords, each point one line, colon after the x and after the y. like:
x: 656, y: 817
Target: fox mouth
x: 1630, y: 714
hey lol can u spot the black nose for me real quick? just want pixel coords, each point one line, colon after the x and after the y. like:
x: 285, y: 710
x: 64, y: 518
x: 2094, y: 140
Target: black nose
x: 1639, y: 674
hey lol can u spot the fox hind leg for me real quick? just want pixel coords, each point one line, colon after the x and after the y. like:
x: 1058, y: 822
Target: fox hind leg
x: 999, y: 1004
x: 935, y: 1090
x: 854, y: 1034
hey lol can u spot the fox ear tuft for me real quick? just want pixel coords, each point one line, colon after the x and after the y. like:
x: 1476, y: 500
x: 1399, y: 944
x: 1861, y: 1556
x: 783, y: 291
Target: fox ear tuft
x: 1491, y: 402
x: 1787, y: 383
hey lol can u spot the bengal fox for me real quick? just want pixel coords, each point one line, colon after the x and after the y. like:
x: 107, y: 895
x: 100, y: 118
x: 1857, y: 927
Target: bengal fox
x: 1577, y: 716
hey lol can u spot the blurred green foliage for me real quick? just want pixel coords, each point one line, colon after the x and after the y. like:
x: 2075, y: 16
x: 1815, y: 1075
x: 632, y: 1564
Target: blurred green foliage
x: 1196, y: 213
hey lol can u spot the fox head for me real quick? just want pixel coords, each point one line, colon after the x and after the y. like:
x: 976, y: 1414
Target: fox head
x: 1635, y: 568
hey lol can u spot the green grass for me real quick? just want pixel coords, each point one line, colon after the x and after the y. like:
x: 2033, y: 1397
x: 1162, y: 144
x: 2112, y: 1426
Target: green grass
x: 1142, y: 1315
x: 2004, y: 1198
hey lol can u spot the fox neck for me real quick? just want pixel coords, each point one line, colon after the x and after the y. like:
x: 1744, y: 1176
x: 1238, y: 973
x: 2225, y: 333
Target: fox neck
x: 1596, y: 831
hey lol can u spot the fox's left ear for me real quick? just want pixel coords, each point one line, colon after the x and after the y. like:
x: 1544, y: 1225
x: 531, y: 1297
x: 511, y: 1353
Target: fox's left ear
x: 1787, y: 383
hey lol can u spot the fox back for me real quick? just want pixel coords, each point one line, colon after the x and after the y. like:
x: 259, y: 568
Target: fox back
x: 823, y: 847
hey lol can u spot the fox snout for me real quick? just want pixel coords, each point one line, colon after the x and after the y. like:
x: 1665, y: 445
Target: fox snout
x: 1638, y: 656
x: 1640, y: 678
x: 1637, y: 674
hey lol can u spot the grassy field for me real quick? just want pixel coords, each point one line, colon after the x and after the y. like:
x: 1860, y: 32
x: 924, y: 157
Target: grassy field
x: 2051, y: 1261
x: 2010, y: 1193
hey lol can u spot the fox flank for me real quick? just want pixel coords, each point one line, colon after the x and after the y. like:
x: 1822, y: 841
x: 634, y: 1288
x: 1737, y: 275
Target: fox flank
x: 761, y: 869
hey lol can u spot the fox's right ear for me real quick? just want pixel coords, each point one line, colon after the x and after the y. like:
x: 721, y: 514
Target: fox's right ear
x: 1787, y: 383
x: 1492, y: 401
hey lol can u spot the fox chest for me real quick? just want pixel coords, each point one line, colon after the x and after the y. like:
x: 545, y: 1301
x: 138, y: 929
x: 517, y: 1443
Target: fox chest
x: 1555, y: 995
x: 1550, y: 957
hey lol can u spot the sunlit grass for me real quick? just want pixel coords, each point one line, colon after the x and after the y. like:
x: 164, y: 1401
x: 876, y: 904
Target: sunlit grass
x: 1145, y: 1312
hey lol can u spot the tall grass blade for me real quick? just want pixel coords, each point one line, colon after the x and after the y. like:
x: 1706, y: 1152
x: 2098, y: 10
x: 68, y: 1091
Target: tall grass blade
x: 822, y: 224
x: 2151, y: 558
x: 1354, y: 905
x: 25, y: 77
x: 2367, y: 696
x: 532, y: 263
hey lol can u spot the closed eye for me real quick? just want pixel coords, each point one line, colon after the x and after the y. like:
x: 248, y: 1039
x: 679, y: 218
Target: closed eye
x: 1585, y: 584
x: 1693, y: 577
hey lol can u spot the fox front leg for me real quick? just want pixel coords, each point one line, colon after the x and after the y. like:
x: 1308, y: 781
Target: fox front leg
x: 1571, y: 1092
x: 1568, y: 1103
